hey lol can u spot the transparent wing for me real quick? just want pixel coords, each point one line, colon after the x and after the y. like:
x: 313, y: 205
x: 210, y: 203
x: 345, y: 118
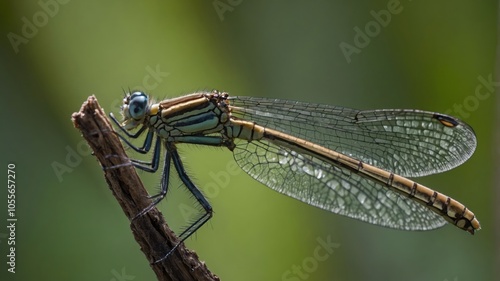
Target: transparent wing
x: 330, y: 187
x: 407, y: 142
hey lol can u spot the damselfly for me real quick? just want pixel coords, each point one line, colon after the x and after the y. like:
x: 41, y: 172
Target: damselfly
x: 350, y: 162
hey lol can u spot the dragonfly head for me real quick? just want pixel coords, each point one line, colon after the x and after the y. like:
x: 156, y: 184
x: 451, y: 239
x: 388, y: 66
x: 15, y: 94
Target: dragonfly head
x: 134, y: 109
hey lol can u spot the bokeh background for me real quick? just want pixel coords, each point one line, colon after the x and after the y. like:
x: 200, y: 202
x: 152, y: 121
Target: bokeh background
x: 430, y: 55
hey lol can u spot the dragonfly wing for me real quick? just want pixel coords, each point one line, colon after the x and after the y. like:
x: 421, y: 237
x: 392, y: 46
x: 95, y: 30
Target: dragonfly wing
x: 331, y: 187
x: 407, y: 142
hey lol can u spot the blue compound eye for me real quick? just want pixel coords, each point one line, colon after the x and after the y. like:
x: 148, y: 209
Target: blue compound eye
x: 137, y: 105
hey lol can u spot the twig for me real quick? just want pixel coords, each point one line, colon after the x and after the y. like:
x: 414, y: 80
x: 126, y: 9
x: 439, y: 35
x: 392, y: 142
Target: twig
x: 150, y: 230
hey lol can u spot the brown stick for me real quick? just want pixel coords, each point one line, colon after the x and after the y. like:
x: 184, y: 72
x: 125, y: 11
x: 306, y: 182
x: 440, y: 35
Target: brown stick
x: 150, y: 230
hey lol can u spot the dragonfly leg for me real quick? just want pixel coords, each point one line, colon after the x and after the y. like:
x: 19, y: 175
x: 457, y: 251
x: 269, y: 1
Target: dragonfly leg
x: 134, y: 136
x: 163, y: 184
x: 196, y: 193
x: 153, y: 165
x: 148, y: 166
x: 147, y: 142
x: 145, y: 147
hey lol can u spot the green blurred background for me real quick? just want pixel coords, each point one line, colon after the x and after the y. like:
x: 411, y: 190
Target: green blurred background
x: 430, y: 55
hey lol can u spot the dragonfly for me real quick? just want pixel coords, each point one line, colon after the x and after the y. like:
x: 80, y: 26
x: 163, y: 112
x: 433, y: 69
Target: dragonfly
x: 350, y: 162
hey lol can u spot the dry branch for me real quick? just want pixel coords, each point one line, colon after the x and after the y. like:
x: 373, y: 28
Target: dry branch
x: 150, y: 230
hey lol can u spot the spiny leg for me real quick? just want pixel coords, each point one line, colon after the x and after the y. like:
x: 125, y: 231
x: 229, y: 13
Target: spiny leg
x: 147, y: 142
x: 172, y: 152
x: 164, y: 178
x: 196, y: 193
x: 152, y: 166
x: 134, y: 136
